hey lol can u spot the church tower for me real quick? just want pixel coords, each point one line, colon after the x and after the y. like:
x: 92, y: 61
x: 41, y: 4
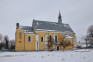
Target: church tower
x: 59, y: 18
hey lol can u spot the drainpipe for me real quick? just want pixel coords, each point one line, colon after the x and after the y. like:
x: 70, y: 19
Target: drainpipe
x: 48, y: 40
x: 24, y: 41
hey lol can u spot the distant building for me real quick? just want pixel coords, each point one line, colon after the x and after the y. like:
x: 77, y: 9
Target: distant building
x: 44, y: 35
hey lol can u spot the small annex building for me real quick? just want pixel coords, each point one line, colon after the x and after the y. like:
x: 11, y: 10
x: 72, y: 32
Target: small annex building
x: 44, y: 36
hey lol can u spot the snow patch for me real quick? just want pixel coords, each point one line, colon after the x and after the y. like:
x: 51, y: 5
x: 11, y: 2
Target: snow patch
x: 80, y: 55
x: 65, y: 25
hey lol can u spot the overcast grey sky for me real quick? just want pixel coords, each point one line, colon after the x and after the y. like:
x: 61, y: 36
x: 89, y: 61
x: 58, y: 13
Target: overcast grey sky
x: 77, y: 13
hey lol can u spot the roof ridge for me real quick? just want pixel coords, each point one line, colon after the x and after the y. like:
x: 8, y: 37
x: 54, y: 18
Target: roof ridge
x: 44, y: 21
x: 25, y: 26
x: 48, y: 21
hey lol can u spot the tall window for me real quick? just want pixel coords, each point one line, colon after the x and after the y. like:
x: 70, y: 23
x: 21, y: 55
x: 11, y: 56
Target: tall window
x: 56, y: 39
x: 29, y: 39
x: 20, y: 35
x: 50, y: 38
x: 41, y: 39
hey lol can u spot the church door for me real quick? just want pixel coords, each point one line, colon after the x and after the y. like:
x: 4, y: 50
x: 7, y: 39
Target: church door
x: 57, y: 47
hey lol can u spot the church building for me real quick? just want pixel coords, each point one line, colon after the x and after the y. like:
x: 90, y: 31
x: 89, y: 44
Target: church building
x: 44, y: 36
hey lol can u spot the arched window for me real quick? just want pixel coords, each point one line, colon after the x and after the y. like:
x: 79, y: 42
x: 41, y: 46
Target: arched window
x: 41, y: 39
x: 56, y: 39
x: 29, y: 39
x: 50, y: 38
x: 20, y: 35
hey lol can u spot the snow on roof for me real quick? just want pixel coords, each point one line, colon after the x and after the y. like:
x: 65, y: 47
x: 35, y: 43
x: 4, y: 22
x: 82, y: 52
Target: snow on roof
x: 66, y: 25
x: 27, y: 29
x: 67, y: 36
x: 46, y: 30
x: 46, y: 25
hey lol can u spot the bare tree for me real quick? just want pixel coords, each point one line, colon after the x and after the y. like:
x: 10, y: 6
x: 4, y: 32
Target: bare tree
x: 1, y: 38
x: 6, y: 41
x: 50, y: 41
x: 1, y: 45
x: 89, y: 37
x: 64, y: 43
x: 90, y: 29
x: 1, y: 41
x: 86, y: 38
x: 12, y: 45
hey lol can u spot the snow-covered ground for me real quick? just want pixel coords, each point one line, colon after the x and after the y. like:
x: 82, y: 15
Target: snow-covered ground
x: 46, y: 56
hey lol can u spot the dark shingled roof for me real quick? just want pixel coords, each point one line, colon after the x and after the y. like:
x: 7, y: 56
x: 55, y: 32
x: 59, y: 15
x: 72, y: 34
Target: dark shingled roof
x: 27, y: 28
x: 45, y: 25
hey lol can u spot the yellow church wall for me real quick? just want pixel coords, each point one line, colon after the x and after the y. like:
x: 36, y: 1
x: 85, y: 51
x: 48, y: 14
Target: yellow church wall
x: 71, y: 45
x: 72, y: 35
x: 59, y: 39
x: 52, y: 33
x: 19, y: 44
x: 61, y: 47
x: 41, y: 44
x: 30, y: 45
x: 42, y: 34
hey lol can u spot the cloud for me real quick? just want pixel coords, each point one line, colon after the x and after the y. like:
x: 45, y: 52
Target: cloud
x: 77, y: 13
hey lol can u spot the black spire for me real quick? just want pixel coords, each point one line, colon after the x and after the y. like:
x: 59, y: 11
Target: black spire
x: 59, y: 18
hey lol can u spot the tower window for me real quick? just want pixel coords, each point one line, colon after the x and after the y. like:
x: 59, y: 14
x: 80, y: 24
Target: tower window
x: 41, y: 39
x: 20, y: 35
x: 29, y: 39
